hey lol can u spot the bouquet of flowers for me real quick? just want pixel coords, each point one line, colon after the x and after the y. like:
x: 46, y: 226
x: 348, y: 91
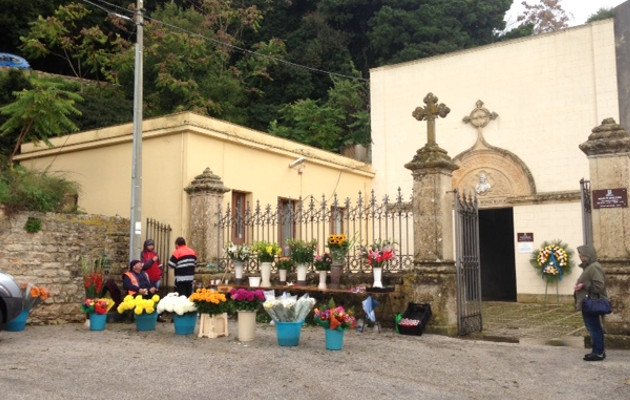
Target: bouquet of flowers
x: 247, y: 300
x: 302, y: 251
x: 138, y: 304
x: 32, y: 296
x: 209, y: 301
x: 553, y: 260
x: 238, y: 252
x: 323, y: 262
x: 174, y: 303
x: 379, y: 253
x: 97, y: 306
x: 285, y: 263
x: 287, y: 308
x: 92, y: 277
x: 266, y: 252
x: 339, y: 245
x: 334, y: 317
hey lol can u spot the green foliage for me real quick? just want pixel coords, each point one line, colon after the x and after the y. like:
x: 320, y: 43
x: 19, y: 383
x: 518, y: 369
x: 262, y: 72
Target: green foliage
x: 103, y: 105
x: 24, y: 190
x: 11, y: 80
x: 39, y: 113
x: 33, y: 225
x: 302, y: 252
x: 602, y: 13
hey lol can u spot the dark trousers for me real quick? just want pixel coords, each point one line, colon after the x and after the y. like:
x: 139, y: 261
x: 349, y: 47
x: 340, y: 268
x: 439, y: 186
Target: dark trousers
x: 593, y: 324
x: 184, y: 288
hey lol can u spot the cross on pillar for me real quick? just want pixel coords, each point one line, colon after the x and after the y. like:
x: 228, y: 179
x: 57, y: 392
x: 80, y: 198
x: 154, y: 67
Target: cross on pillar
x: 430, y: 113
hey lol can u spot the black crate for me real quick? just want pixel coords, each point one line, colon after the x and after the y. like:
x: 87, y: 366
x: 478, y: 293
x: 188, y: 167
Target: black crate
x: 415, y: 311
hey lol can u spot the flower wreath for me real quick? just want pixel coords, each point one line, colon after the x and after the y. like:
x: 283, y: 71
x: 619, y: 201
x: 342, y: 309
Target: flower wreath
x: 553, y: 260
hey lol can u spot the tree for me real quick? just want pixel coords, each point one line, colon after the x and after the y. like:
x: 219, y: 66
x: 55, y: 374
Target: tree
x: 87, y: 50
x: 602, y: 13
x: 39, y: 113
x: 341, y: 120
x: 545, y: 16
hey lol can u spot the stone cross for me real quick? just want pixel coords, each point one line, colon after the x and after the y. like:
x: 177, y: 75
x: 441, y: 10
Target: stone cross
x: 430, y: 113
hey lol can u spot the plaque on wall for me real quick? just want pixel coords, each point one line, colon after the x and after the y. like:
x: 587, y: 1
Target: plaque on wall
x: 524, y: 237
x: 610, y: 198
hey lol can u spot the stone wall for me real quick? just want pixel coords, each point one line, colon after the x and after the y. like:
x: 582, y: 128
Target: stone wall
x: 52, y: 257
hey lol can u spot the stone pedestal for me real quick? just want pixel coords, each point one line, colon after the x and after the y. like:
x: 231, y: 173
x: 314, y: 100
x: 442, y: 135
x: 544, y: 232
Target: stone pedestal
x: 206, y: 195
x: 608, y: 151
x: 434, y: 278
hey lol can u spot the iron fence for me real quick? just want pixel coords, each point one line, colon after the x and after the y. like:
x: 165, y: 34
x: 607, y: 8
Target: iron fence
x: 364, y: 221
x: 161, y: 235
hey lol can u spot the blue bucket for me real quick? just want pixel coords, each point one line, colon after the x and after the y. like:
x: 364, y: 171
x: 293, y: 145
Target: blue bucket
x: 146, y: 322
x: 289, y: 333
x: 19, y: 323
x: 185, y: 324
x: 98, y: 322
x: 334, y: 339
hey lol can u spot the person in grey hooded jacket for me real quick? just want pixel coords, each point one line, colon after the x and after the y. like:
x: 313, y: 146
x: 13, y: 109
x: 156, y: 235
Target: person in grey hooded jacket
x: 592, y: 283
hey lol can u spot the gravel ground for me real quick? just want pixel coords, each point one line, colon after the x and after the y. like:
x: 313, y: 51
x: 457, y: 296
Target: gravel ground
x: 68, y: 362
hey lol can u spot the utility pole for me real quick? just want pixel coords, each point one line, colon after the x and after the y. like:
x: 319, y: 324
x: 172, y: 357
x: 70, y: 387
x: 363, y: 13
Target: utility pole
x: 135, y: 234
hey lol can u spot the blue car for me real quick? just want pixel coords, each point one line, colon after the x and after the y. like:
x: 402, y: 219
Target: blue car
x: 10, y: 299
x: 12, y: 61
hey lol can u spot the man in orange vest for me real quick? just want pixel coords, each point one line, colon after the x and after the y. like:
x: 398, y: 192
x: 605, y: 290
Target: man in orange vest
x: 183, y: 261
x: 137, y: 282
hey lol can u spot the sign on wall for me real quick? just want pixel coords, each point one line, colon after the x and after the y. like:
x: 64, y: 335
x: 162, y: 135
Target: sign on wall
x: 610, y: 198
x: 525, y: 242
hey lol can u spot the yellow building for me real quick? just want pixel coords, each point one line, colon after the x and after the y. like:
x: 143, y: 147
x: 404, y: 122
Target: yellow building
x: 255, y: 166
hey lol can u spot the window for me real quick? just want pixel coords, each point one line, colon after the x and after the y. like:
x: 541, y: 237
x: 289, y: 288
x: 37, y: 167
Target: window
x: 287, y: 209
x: 239, y: 204
x: 337, y: 215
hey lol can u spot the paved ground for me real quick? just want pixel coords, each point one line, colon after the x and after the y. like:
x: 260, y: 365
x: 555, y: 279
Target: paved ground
x: 533, y: 323
x: 68, y: 362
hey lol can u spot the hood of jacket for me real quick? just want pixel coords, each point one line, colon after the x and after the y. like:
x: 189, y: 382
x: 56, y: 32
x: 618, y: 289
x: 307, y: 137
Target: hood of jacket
x: 587, y: 251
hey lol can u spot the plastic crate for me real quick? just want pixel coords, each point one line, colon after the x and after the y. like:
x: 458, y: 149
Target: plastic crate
x: 415, y: 312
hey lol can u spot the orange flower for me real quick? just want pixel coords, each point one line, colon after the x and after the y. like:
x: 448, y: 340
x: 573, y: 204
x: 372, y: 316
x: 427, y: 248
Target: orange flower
x: 43, y: 293
x: 35, y: 292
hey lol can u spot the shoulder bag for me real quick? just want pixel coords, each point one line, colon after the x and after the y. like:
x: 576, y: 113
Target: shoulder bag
x: 596, y: 306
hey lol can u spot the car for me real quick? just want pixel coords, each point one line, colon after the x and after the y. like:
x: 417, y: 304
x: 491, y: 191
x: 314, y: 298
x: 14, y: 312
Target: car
x: 10, y: 299
x: 12, y: 61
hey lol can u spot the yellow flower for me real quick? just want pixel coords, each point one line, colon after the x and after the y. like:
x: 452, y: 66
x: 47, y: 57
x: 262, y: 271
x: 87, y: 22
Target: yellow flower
x: 150, y: 310
x: 155, y: 298
x: 138, y: 311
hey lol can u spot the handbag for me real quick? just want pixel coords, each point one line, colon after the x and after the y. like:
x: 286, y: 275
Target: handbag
x: 596, y: 306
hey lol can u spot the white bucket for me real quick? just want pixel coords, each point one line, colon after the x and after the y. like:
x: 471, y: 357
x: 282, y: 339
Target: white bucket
x: 254, y: 281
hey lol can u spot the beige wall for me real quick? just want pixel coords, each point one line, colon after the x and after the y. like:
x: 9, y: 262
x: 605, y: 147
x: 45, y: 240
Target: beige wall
x: 178, y: 147
x: 549, y: 91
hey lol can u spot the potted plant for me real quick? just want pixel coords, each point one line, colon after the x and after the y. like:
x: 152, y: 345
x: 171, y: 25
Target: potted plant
x: 143, y: 309
x: 246, y: 302
x: 184, y: 312
x: 266, y: 253
x: 339, y: 246
x: 322, y: 263
x: 212, y: 306
x: 378, y: 255
x: 239, y: 255
x: 302, y: 253
x: 284, y: 265
x: 32, y: 297
x: 288, y: 315
x: 336, y: 321
x: 97, y: 310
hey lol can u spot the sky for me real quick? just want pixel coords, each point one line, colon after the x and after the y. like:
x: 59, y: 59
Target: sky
x: 578, y: 10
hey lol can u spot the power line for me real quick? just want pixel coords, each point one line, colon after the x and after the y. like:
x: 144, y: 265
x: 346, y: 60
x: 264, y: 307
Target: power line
x: 231, y: 46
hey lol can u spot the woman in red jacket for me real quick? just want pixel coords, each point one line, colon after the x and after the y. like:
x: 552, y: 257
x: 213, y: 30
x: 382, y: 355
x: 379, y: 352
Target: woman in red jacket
x: 151, y: 261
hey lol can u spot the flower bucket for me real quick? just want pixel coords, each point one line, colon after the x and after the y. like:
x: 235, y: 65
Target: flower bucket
x: 254, y: 281
x: 146, y: 322
x: 19, y: 323
x: 334, y: 339
x: 185, y: 324
x: 98, y: 322
x: 289, y: 333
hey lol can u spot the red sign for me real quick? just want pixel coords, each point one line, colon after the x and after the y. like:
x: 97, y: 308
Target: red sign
x: 525, y: 237
x: 610, y: 198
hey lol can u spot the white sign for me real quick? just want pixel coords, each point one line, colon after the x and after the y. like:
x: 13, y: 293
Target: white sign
x: 525, y: 247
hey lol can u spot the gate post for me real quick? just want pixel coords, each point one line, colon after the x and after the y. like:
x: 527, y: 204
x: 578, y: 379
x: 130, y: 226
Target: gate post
x: 608, y: 152
x: 206, y: 195
x: 434, y: 278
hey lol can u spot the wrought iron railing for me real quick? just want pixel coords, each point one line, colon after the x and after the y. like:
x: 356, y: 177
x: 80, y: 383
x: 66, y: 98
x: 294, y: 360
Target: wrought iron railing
x: 365, y: 221
x: 161, y: 235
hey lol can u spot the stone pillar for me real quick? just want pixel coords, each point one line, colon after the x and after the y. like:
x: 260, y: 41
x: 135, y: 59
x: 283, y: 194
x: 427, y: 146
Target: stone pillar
x: 433, y: 280
x: 206, y: 195
x: 608, y: 151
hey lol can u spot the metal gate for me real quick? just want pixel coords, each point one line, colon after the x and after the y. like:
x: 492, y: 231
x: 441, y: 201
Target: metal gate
x: 469, y: 317
x: 587, y: 214
x: 161, y: 235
